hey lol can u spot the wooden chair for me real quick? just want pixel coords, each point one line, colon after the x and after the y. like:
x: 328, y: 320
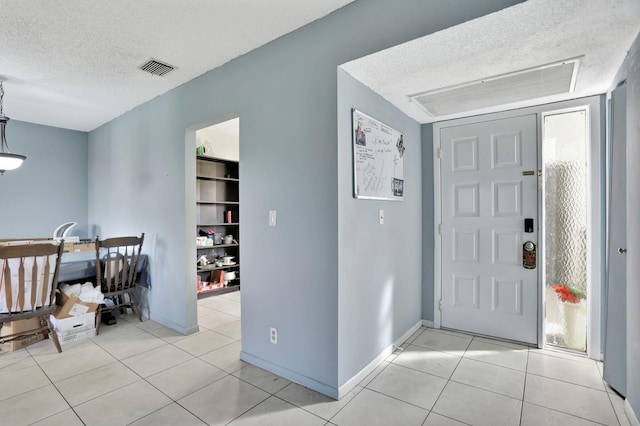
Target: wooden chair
x: 117, y: 261
x: 28, y: 281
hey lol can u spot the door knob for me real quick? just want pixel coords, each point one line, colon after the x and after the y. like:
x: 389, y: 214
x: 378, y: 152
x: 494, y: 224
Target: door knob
x: 622, y: 250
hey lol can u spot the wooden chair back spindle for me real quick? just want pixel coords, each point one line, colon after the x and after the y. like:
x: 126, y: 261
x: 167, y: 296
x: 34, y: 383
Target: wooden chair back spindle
x: 27, y: 287
x: 117, y: 263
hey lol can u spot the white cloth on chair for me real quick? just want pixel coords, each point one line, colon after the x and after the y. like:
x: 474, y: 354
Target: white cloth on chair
x: 84, y: 292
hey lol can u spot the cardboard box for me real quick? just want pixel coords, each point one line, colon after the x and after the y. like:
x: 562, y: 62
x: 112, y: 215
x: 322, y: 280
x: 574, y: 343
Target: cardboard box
x: 70, y: 323
x: 72, y: 307
x: 19, y: 326
x: 78, y: 330
x: 71, y: 247
x: 74, y: 336
x: 71, y: 328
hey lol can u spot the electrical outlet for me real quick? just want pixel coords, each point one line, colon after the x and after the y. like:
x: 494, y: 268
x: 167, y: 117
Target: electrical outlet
x: 381, y: 217
x: 273, y: 334
x: 272, y: 218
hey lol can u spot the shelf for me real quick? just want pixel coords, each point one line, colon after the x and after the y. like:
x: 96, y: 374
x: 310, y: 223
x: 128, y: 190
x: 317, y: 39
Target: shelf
x: 217, y: 268
x: 215, y: 160
x: 217, y: 291
x: 224, y: 179
x: 233, y: 203
x: 217, y: 183
x: 217, y: 246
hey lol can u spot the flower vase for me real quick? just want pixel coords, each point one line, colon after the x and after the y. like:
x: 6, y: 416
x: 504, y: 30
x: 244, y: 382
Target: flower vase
x: 575, y: 319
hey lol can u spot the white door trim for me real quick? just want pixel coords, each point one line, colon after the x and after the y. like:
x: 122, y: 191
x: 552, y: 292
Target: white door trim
x: 595, y: 220
x: 437, y: 221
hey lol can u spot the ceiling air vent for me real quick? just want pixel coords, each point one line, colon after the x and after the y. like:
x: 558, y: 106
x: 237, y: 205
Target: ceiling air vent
x: 524, y: 85
x: 157, y: 68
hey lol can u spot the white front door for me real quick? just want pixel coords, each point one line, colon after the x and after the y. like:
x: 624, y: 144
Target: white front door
x: 489, y: 185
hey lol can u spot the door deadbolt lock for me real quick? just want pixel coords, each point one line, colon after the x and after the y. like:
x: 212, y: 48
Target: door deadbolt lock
x: 529, y: 255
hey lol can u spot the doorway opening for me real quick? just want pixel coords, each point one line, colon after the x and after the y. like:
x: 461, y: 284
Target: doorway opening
x: 218, y: 208
x: 565, y: 225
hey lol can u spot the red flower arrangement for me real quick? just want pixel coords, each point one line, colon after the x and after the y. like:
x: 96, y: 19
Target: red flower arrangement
x: 568, y: 294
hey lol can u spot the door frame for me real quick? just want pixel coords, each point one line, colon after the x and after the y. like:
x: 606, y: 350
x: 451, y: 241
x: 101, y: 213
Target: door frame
x: 596, y: 201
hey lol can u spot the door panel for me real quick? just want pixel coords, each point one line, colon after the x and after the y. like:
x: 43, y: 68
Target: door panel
x: 615, y: 355
x: 485, y: 198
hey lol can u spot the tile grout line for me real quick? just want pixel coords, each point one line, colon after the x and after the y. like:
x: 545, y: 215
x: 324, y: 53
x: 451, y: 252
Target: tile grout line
x: 297, y: 406
x: 569, y: 383
x: 562, y: 381
x: 613, y: 406
x: 57, y: 390
x: 447, y: 384
x: 175, y: 401
x: 566, y: 414
x: 119, y: 360
x: 496, y: 365
x: 524, y: 387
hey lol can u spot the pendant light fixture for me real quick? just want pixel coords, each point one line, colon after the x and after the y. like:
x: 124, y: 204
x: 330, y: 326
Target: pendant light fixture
x: 8, y: 161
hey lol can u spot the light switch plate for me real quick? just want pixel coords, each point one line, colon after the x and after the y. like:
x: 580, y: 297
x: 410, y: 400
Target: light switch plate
x: 272, y: 218
x: 381, y: 217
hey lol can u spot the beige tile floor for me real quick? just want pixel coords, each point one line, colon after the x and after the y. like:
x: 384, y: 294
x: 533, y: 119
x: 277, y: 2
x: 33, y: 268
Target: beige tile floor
x: 146, y: 374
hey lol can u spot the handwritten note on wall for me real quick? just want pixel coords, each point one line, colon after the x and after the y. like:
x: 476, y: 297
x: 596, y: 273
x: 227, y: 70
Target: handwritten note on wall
x: 378, y: 159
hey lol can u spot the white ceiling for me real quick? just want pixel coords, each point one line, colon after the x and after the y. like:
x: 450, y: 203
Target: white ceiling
x: 74, y: 63
x: 527, y: 35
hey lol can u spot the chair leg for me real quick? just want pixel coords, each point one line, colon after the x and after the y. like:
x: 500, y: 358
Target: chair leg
x: 134, y: 306
x: 136, y: 311
x: 98, y: 320
x: 53, y: 335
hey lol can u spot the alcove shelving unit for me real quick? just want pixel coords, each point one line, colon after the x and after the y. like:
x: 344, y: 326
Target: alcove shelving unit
x: 218, y: 211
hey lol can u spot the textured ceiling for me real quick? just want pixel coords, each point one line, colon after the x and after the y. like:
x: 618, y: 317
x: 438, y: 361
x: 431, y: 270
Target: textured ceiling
x: 530, y: 34
x: 74, y: 63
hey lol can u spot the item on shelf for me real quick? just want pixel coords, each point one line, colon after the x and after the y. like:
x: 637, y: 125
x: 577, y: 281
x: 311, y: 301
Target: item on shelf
x: 202, y: 260
x: 203, y: 149
x: 230, y: 276
x: 227, y: 216
x: 228, y: 260
x: 218, y: 262
x: 227, y: 239
x: 217, y: 240
x: 204, y: 242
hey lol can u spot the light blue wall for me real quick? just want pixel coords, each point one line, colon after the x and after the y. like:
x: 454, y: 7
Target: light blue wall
x: 428, y: 241
x: 50, y: 187
x: 286, y: 96
x: 379, y: 267
x: 630, y: 70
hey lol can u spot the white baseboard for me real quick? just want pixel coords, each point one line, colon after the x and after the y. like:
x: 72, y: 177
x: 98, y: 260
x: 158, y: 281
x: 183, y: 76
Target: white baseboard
x: 323, y: 388
x: 353, y: 382
x: 176, y: 327
x: 628, y: 410
x: 308, y: 382
x: 428, y: 323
